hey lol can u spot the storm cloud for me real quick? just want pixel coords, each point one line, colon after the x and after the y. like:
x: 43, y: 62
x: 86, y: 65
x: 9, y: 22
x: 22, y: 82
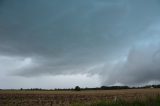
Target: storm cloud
x: 109, y: 38
x: 138, y: 67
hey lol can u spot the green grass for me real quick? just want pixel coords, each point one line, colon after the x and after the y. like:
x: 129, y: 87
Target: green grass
x: 154, y: 101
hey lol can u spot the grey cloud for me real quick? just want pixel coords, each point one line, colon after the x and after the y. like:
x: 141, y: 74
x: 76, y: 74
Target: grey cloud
x: 42, y: 28
x: 140, y: 66
x: 68, y: 37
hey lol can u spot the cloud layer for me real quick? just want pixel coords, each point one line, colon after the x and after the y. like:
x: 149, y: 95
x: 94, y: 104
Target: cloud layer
x: 81, y: 37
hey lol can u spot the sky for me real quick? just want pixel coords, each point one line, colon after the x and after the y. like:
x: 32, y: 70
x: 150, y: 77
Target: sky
x: 89, y: 43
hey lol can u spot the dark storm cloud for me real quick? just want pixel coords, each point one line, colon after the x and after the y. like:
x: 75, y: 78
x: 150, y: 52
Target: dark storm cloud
x: 54, y: 28
x: 67, y: 37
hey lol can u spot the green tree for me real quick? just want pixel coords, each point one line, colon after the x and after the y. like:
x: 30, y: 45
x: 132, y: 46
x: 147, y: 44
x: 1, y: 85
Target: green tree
x: 77, y: 88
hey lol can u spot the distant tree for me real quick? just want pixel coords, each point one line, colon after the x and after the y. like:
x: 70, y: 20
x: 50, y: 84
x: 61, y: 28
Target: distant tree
x: 77, y: 88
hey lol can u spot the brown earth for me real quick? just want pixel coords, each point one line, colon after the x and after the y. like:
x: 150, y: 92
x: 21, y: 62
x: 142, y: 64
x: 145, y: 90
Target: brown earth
x: 65, y: 98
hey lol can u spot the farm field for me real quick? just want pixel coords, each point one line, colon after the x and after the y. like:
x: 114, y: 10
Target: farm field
x: 77, y: 98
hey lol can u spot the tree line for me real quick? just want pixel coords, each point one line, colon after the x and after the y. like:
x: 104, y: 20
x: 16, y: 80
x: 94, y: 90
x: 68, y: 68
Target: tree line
x: 77, y: 88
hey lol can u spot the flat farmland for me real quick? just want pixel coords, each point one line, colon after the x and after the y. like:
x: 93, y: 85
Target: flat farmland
x: 69, y: 98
